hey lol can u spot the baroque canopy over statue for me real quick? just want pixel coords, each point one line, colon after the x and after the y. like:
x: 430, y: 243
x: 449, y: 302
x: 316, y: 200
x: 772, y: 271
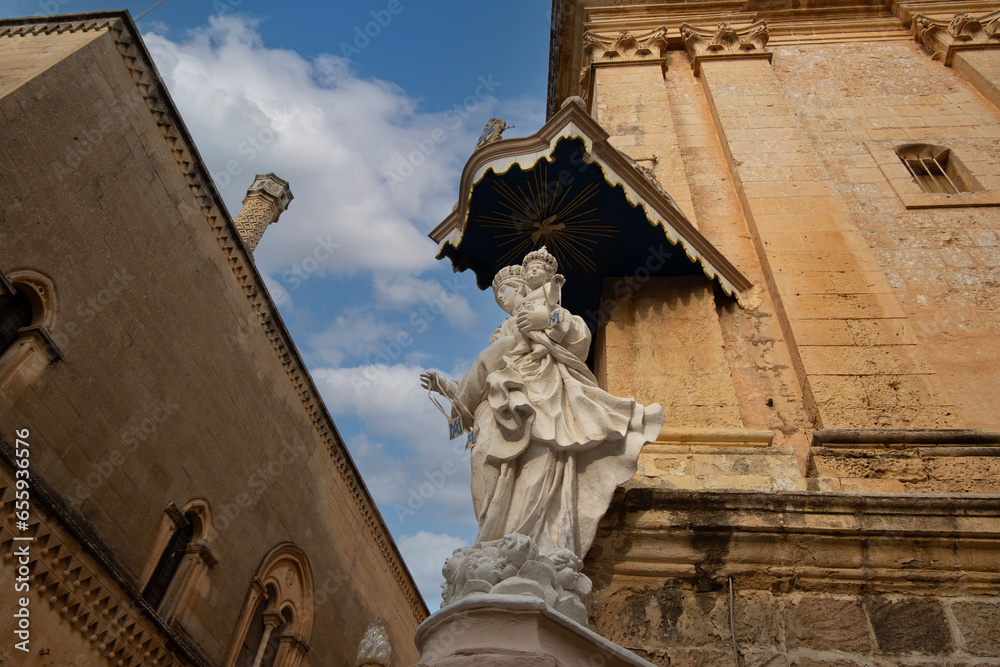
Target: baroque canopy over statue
x: 551, y: 445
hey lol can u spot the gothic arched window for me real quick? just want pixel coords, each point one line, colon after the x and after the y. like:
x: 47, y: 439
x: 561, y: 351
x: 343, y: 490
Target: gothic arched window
x: 27, y: 313
x: 278, y: 613
x: 179, y: 559
x: 15, y: 314
x: 169, y: 561
x: 263, y: 638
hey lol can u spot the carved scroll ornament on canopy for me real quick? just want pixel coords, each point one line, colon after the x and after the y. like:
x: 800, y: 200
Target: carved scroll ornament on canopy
x: 725, y: 42
x: 964, y: 31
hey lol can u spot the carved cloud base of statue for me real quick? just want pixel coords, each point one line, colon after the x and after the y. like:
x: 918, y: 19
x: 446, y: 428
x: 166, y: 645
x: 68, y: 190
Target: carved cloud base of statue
x: 514, y: 566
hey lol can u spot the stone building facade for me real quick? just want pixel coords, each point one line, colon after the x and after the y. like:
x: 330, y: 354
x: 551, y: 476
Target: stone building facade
x: 826, y: 489
x: 190, y: 500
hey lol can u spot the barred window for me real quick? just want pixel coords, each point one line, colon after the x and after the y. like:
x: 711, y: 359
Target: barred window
x: 935, y: 169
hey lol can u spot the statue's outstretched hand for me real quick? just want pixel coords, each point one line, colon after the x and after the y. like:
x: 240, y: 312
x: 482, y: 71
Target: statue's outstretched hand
x: 432, y: 382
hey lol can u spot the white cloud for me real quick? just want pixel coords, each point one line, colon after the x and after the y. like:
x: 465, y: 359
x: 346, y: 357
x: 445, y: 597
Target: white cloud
x: 425, y: 554
x: 335, y: 137
x: 387, y: 398
x: 426, y: 473
x: 355, y: 332
x: 404, y: 292
x: 371, y: 173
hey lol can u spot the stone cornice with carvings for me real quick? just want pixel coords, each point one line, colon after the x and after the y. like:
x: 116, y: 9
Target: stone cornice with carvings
x: 856, y: 538
x: 943, y: 38
x: 790, y: 23
x: 907, y: 10
x: 725, y: 42
x: 625, y: 47
x: 147, y: 80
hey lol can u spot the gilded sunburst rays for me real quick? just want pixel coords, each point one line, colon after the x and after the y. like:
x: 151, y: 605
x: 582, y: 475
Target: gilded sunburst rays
x: 552, y: 213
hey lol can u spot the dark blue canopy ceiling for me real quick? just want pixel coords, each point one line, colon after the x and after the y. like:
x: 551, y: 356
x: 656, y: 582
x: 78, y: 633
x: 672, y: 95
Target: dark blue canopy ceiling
x: 565, y: 203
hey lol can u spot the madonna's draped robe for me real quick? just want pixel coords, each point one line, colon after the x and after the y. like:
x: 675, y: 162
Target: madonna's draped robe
x: 552, y: 445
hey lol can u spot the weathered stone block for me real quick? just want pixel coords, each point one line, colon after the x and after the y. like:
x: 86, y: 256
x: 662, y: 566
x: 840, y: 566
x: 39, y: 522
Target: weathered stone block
x: 904, y: 466
x: 622, y: 617
x: 825, y: 623
x: 909, y: 626
x: 979, y: 623
x: 757, y: 620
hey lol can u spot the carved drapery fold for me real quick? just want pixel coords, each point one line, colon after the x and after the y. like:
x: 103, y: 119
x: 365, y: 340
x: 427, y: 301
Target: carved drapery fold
x: 725, y: 42
x: 624, y: 48
x: 943, y: 38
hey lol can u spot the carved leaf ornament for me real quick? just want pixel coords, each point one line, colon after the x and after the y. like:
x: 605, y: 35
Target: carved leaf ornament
x: 963, y: 31
x: 725, y: 39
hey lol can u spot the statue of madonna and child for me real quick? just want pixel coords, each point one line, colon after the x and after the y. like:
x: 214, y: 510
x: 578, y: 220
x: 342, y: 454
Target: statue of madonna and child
x: 551, y: 446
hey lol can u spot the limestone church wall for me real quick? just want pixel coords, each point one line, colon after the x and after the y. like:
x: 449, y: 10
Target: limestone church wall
x: 173, y: 382
x: 825, y: 487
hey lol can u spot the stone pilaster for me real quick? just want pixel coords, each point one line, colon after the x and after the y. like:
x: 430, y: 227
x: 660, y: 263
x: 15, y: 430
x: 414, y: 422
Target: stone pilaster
x: 266, y: 200
x: 623, y: 49
x: 725, y: 42
x: 848, y: 334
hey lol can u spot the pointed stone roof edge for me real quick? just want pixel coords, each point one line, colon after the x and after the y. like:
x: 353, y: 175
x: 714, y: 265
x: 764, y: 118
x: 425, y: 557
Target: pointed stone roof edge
x: 573, y: 120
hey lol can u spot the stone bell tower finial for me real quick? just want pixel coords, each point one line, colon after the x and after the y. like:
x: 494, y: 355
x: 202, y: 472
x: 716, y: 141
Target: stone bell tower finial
x: 266, y: 199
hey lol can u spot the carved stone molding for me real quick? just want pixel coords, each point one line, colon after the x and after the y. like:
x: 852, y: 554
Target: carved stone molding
x: 81, y: 592
x: 725, y: 42
x: 626, y: 47
x: 623, y: 49
x: 943, y: 38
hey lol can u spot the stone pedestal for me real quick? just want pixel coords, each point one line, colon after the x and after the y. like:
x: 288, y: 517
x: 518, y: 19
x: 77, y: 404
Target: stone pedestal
x: 513, y: 631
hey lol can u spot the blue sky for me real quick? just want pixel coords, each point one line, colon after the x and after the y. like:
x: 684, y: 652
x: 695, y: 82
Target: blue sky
x: 369, y: 109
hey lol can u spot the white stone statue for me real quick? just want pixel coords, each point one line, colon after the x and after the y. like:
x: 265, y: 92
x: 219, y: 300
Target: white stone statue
x: 551, y: 448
